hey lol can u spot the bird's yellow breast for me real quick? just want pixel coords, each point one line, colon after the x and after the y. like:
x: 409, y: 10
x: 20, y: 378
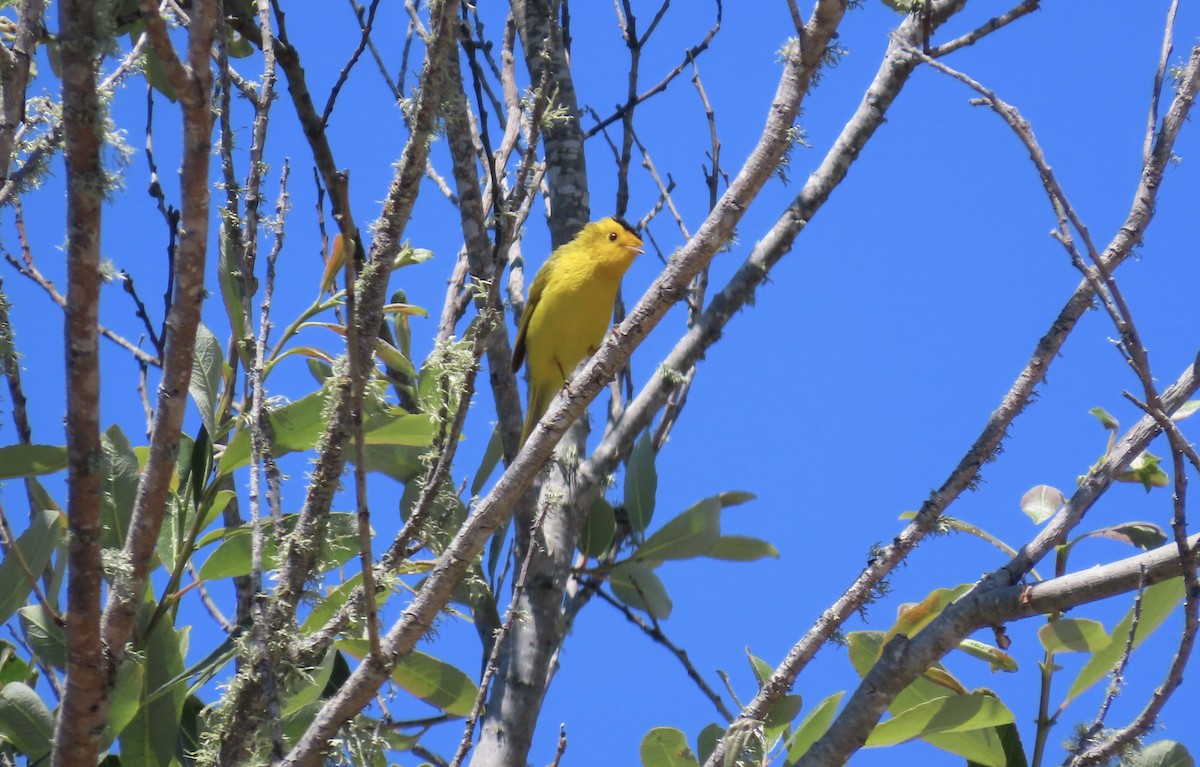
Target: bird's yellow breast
x: 570, y: 303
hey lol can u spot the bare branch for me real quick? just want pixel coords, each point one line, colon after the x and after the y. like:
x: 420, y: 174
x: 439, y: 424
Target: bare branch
x: 985, y: 29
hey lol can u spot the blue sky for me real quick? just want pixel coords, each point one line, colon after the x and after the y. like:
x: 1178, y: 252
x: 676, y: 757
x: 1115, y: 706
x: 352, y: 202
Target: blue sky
x: 867, y: 366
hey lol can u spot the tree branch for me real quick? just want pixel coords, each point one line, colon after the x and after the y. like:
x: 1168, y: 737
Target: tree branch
x: 84, y: 704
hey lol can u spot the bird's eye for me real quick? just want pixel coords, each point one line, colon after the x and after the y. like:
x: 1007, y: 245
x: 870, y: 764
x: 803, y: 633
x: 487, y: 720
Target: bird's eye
x: 612, y: 236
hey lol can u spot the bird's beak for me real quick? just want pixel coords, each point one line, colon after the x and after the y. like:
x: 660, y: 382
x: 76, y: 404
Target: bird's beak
x: 637, y: 249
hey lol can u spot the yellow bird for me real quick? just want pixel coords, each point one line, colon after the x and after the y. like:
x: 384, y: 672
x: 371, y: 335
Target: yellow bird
x: 569, y: 308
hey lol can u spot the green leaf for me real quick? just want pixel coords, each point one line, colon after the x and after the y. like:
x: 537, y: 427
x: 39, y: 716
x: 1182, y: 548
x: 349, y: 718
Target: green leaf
x: 306, y: 688
x: 635, y: 584
x: 1185, y: 410
x: 904, y: 6
x: 1010, y: 741
x: 26, y: 721
x: 782, y: 714
x: 1073, y: 635
x: 1105, y: 418
x: 734, y: 498
x: 598, y: 529
x: 741, y: 548
x: 31, y: 460
x: 12, y: 667
x: 157, y: 77
x: 952, y: 713
x: 436, y: 682
x: 1041, y: 503
x: 915, y: 616
x: 416, y: 430
x: 395, y: 360
x: 1158, y: 601
x: 641, y: 484
x: 813, y: 727
x: 231, y: 281
x: 981, y: 746
x: 126, y: 698
x: 36, y: 545
x: 47, y: 638
x: 205, y: 384
x: 121, y: 473
x: 320, y: 369
x: 152, y: 734
x: 1163, y: 753
x: 238, y: 46
x: 328, y: 606
x: 688, y: 535
x: 666, y: 747
x: 706, y: 741
x: 491, y: 457
x: 1143, y: 535
x: 1145, y: 470
x: 231, y: 558
x: 295, y: 426
x: 997, y: 659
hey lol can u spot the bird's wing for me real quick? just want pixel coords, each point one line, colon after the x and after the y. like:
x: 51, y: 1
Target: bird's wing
x: 535, y: 296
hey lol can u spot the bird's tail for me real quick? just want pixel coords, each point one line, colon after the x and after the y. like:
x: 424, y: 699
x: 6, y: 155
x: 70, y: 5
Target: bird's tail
x: 539, y: 399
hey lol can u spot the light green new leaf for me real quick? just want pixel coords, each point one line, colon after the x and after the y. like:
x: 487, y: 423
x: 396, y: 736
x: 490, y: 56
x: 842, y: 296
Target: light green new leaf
x: 688, y: 535
x: 1073, y: 635
x: 641, y: 484
x: 1186, y: 409
x: 1105, y: 418
x: 952, y: 713
x: 997, y: 659
x: 1145, y: 470
x: 31, y: 460
x: 1041, y: 503
x: 25, y: 720
x: 813, y: 727
x: 666, y: 747
x: 36, y: 545
x: 741, y: 548
x: 1158, y: 601
x: 425, y: 677
x: 635, y: 584
x: 205, y: 384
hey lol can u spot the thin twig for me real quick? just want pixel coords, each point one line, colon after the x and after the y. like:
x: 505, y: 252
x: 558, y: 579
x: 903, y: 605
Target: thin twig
x: 655, y: 632
x: 1159, y: 76
x: 27, y: 268
x: 985, y: 29
x: 689, y: 55
x: 344, y: 75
